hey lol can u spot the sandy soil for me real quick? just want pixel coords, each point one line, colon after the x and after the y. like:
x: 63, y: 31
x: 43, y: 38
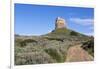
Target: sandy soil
x: 77, y: 54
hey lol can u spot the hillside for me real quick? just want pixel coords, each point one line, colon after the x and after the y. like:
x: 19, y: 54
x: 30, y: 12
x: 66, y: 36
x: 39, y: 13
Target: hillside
x: 52, y: 47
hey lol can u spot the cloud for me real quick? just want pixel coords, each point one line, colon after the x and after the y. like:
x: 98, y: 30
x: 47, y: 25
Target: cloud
x: 89, y: 33
x: 82, y: 21
x: 87, y: 23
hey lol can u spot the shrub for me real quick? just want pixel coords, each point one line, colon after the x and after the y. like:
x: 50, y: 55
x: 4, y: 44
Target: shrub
x: 55, y: 38
x: 37, y: 57
x: 55, y: 54
x: 73, y: 33
x: 26, y: 41
x: 89, y: 46
x: 62, y: 30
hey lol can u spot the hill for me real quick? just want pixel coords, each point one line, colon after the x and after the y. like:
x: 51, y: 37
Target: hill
x: 50, y: 48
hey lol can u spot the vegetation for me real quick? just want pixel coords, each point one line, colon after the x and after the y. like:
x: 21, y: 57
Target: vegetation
x: 60, y: 31
x: 73, y: 33
x: 49, y: 48
x: 55, y: 54
x: 24, y: 42
x: 89, y: 46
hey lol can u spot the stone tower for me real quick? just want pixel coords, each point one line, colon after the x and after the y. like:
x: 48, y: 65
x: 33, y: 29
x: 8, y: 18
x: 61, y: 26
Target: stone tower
x: 60, y: 23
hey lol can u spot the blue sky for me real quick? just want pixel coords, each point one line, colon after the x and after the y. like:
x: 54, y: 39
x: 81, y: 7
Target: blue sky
x: 40, y: 19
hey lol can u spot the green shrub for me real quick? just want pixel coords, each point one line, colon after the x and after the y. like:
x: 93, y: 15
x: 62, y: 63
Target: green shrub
x: 55, y: 54
x: 62, y: 30
x: 89, y: 46
x: 37, y: 57
x: 73, y: 33
x: 54, y: 38
x: 24, y: 42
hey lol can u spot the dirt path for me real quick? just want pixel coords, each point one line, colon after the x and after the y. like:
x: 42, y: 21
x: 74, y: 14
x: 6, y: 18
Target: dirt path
x: 76, y: 54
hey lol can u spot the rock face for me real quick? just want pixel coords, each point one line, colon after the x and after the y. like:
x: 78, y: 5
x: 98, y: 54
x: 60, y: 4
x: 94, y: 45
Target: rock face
x: 60, y: 23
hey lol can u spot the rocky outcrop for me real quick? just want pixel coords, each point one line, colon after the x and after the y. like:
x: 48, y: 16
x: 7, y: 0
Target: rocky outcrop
x: 60, y: 23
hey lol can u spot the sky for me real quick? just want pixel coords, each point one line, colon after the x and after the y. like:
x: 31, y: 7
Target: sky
x: 33, y: 19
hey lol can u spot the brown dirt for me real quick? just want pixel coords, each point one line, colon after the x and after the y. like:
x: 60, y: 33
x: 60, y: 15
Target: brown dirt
x: 76, y: 54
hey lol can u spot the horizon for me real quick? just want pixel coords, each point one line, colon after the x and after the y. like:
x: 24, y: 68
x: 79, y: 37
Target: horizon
x: 28, y: 19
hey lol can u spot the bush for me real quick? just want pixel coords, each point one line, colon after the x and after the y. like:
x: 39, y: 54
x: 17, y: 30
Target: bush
x: 37, y: 57
x: 62, y: 30
x: 89, y: 46
x: 26, y: 41
x: 55, y: 54
x: 73, y: 33
x: 55, y: 38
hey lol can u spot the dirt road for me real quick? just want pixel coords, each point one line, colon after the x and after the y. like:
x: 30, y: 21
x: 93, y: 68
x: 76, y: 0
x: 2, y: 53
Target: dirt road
x: 76, y: 54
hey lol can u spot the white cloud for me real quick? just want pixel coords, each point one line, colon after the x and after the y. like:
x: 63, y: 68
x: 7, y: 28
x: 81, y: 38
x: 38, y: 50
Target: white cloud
x: 88, y: 22
x: 89, y: 33
x: 82, y: 21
